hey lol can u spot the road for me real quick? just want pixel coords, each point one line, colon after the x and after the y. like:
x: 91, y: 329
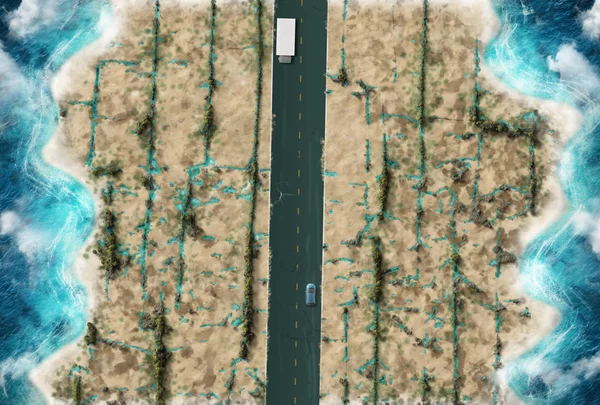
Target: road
x: 296, y: 227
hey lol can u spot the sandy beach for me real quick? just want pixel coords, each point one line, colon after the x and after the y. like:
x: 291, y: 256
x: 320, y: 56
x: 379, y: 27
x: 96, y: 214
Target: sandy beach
x: 194, y: 266
x: 462, y: 204
x: 457, y: 217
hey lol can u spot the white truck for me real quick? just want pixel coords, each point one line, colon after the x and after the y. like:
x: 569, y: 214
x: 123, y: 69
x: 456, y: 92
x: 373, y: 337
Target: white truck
x: 286, y: 39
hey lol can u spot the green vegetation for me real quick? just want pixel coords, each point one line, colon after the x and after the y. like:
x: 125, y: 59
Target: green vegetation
x: 378, y: 271
x: 160, y: 354
x: 421, y: 107
x: 148, y: 182
x: 188, y: 226
x: 249, y: 254
x: 208, y: 126
x: 346, y: 392
x: 76, y: 390
x: 91, y: 335
x: 502, y: 256
x: 247, y: 306
x: 112, y: 169
x: 342, y: 77
x: 107, y: 248
x: 525, y: 313
x: 455, y: 258
x: 459, y: 172
x: 376, y: 331
x: 425, y: 386
x: 107, y: 195
x: 384, y: 183
x: 144, y: 125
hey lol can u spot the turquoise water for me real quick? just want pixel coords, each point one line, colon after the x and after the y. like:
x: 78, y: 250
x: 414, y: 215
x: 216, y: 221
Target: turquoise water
x: 45, y: 215
x: 543, y: 50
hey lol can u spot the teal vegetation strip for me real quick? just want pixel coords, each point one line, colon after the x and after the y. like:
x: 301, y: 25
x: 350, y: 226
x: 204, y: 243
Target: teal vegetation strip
x: 152, y: 167
x: 247, y: 305
x: 94, y: 105
x: 208, y: 127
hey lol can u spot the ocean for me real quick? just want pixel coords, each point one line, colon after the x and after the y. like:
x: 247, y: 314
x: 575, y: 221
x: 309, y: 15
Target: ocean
x: 550, y: 49
x: 545, y: 48
x: 45, y: 215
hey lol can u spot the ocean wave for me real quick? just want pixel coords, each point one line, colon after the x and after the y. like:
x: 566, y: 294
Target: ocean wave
x: 591, y: 21
x: 550, y: 53
x: 45, y: 215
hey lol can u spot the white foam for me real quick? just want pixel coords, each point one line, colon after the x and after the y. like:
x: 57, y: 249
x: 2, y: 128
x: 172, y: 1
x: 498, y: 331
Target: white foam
x: 31, y: 16
x: 591, y: 21
x: 577, y: 75
x: 29, y: 240
x: 16, y: 367
x: 587, y: 224
x: 11, y: 78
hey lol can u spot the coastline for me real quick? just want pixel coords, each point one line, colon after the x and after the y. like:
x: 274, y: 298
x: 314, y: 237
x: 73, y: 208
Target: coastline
x: 73, y: 79
x: 62, y: 157
x: 564, y: 119
x: 56, y: 151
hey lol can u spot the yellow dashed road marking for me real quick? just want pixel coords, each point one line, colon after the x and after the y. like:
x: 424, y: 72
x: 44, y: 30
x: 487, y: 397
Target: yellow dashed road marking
x: 298, y: 211
x: 300, y: 78
x: 299, y: 135
x: 297, y: 248
x: 298, y: 172
x: 299, y: 116
x: 297, y: 229
x: 298, y: 191
x: 295, y: 362
x: 294, y: 380
x: 296, y: 324
x: 300, y: 40
x: 300, y: 96
x: 296, y: 286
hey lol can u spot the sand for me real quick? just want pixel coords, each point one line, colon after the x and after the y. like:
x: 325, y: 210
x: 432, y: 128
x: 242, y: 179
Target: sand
x: 205, y: 340
x: 381, y: 44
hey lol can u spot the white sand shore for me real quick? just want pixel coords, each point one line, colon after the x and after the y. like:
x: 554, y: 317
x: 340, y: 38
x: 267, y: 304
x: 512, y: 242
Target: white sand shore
x: 58, y: 154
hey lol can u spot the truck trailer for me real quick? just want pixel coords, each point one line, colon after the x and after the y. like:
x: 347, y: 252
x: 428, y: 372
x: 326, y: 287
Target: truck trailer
x: 286, y: 39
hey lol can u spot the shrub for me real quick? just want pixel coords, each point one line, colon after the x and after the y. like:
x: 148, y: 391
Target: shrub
x: 92, y: 334
x: 76, y: 390
x: 342, y: 77
x: 107, y: 195
x: 144, y: 125
x: 346, y: 392
x: 160, y: 354
x: 378, y: 271
x: 455, y: 258
x: 107, y: 251
x: 382, y: 192
x: 113, y: 169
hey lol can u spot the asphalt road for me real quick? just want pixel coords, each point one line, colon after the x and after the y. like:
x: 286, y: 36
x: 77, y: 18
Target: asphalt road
x: 296, y: 230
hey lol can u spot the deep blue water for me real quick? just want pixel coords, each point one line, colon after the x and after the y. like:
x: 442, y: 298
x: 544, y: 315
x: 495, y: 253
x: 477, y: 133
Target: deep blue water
x: 45, y: 216
x: 561, y: 267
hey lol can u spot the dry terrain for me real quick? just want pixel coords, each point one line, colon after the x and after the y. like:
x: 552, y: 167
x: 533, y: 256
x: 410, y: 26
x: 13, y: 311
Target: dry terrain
x: 168, y: 124
x: 431, y: 173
